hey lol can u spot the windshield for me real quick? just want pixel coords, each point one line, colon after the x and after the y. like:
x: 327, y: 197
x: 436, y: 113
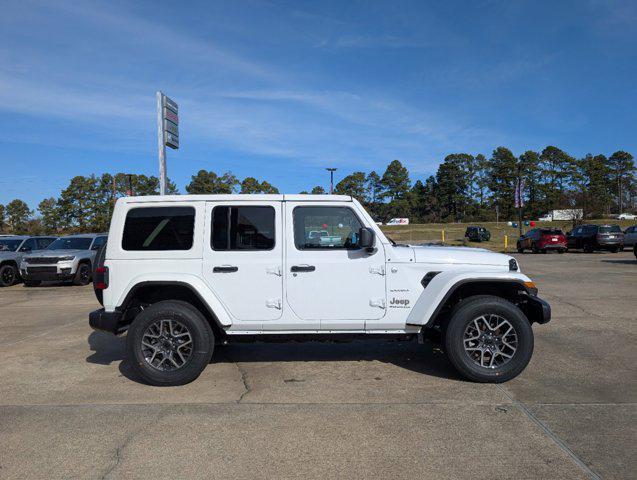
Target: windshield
x: 610, y: 229
x: 75, y: 243
x: 8, y: 245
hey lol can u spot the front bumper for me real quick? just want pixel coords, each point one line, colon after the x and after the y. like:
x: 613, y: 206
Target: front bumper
x: 106, y: 321
x: 57, y: 272
x: 538, y: 310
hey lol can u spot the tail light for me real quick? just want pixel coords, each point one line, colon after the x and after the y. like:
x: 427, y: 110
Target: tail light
x: 100, y: 282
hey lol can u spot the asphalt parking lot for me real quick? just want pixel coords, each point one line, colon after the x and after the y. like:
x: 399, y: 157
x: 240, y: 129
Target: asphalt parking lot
x: 69, y: 409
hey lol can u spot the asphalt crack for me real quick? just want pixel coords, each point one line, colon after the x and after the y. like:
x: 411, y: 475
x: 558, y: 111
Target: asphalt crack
x: 118, y: 455
x: 246, y: 384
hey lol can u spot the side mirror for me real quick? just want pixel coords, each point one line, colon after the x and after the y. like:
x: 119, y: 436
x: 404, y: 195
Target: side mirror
x: 25, y: 249
x: 366, y: 236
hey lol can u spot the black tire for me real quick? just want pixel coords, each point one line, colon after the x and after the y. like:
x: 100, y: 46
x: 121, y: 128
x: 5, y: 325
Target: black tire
x: 473, y: 308
x: 588, y: 248
x: 519, y: 247
x: 614, y: 249
x: 32, y: 283
x: 8, y: 275
x: 534, y: 248
x: 198, y: 328
x: 83, y: 274
x: 561, y: 250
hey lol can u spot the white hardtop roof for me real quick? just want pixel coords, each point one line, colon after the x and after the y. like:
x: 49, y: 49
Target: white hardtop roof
x: 238, y: 198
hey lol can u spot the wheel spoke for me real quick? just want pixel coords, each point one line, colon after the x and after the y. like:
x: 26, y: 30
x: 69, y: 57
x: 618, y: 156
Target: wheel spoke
x: 167, y: 344
x: 485, y: 343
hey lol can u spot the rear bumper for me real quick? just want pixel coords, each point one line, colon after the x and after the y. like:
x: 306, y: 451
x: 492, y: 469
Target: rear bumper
x: 106, y: 321
x: 553, y: 246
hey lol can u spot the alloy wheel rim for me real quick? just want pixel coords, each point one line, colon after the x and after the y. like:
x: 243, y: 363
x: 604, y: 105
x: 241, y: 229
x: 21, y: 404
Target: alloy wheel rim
x: 8, y: 275
x: 490, y: 341
x: 167, y: 345
x: 84, y: 275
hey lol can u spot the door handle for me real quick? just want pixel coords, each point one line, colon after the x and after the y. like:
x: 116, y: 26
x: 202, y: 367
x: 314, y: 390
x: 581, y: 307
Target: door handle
x: 225, y: 269
x: 302, y: 268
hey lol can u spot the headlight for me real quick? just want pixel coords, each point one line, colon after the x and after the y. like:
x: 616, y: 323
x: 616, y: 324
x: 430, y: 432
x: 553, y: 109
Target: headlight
x: 66, y: 259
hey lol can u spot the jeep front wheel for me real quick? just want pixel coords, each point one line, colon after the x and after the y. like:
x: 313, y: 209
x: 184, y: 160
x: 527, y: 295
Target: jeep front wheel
x: 488, y: 339
x: 169, y: 343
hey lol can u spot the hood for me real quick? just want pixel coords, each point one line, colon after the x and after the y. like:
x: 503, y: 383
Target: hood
x: 56, y: 253
x: 460, y: 256
x: 5, y: 255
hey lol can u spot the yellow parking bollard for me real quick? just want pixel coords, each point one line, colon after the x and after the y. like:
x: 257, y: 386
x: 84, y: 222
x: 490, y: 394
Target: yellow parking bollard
x: 506, y: 242
x: 443, y: 235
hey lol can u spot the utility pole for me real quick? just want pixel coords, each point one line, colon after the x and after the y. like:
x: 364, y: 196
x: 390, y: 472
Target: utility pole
x: 161, y: 144
x: 331, y: 170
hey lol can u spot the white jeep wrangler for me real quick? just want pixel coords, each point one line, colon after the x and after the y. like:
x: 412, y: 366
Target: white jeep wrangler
x: 183, y: 273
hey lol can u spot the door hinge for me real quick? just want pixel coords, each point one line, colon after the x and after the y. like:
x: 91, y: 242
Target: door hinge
x: 377, y: 302
x: 379, y: 269
x: 274, y: 270
x: 273, y: 303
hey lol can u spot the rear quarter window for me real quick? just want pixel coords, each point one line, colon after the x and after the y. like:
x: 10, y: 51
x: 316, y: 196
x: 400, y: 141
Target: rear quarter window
x: 159, y: 228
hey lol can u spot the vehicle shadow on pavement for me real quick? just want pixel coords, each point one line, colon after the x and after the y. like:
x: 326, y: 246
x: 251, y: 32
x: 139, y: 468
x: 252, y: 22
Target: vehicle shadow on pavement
x: 425, y: 359
x: 624, y: 262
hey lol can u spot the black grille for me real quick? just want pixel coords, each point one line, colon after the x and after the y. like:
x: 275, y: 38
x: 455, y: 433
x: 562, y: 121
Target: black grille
x: 41, y: 260
x: 42, y: 270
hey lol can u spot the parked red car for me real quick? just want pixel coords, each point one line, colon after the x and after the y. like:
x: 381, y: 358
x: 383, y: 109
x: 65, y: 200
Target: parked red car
x: 543, y: 239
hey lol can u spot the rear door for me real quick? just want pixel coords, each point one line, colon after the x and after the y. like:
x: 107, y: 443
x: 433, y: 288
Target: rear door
x: 329, y: 278
x: 242, y: 259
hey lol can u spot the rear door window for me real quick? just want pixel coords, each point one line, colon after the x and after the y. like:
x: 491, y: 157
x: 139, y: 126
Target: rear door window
x: 242, y: 228
x: 159, y: 228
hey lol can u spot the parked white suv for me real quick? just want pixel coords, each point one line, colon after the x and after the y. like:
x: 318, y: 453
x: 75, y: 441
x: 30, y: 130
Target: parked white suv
x: 182, y: 273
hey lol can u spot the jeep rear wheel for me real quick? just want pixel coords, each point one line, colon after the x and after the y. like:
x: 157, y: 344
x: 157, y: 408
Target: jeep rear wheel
x: 8, y: 274
x: 488, y: 339
x: 169, y: 343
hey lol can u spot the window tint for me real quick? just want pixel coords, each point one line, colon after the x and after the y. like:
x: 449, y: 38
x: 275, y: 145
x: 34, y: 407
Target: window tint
x: 242, y: 228
x: 551, y: 231
x: 159, y: 228
x: 590, y: 229
x: 98, y: 242
x: 29, y: 245
x: 44, y: 242
x: 71, y: 243
x: 325, y: 228
x: 610, y: 229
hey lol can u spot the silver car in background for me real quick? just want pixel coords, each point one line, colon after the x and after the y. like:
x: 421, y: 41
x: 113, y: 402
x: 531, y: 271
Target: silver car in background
x: 12, y: 250
x: 67, y: 259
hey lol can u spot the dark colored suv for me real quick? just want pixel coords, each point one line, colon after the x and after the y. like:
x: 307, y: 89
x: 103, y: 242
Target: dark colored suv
x: 477, y: 234
x: 596, y: 237
x: 543, y: 239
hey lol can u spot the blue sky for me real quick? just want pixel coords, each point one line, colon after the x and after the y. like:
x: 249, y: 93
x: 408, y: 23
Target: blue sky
x: 279, y: 90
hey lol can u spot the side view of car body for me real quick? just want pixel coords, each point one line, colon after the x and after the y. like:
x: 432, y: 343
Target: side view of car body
x: 541, y: 240
x: 182, y: 273
x: 627, y: 216
x: 596, y: 237
x: 12, y: 250
x: 630, y: 236
x: 67, y: 259
x: 477, y: 234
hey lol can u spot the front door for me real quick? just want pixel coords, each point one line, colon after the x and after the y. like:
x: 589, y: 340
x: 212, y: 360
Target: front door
x: 329, y: 278
x: 243, y: 257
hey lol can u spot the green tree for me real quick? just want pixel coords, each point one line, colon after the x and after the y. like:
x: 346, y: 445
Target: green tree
x: 556, y: 169
x: 395, y: 181
x: 529, y: 164
x: 207, y: 182
x: 374, y: 187
x: 353, y: 185
x: 18, y: 215
x: 502, y: 177
x: 2, y: 217
x: 425, y: 202
x: 252, y: 185
x: 318, y: 190
x: 49, y: 215
x: 622, y: 170
x: 453, y: 182
x: 79, y: 202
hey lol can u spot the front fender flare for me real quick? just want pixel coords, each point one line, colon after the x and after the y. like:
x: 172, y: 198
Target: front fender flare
x: 442, y: 286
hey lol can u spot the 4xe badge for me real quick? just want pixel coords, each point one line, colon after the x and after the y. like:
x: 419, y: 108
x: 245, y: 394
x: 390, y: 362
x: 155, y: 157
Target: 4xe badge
x: 399, y: 303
